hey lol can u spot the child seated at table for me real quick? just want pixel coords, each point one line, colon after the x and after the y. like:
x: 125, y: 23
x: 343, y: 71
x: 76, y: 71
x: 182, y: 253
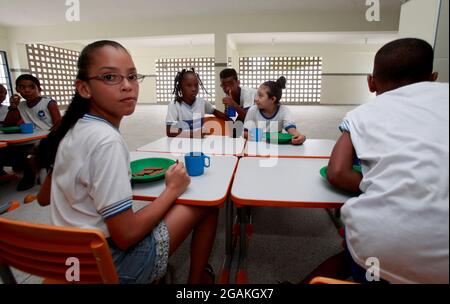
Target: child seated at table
x: 269, y: 115
x: 185, y: 116
x: 401, y: 218
x: 90, y: 187
x: 42, y: 112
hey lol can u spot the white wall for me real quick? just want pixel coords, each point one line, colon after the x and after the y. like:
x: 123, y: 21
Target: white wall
x: 441, y: 62
x: 344, y: 67
x: 219, y: 26
x: 418, y: 19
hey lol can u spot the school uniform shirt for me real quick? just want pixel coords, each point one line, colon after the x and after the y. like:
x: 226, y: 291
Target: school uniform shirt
x: 3, y: 113
x: 39, y: 114
x: 401, y: 218
x: 91, y: 176
x: 247, y: 97
x: 186, y: 117
x: 279, y: 121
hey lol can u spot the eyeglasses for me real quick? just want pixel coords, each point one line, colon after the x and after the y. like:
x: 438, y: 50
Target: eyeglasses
x: 113, y: 78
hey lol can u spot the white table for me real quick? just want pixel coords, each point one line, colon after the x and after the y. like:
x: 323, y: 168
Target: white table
x: 210, y: 145
x: 279, y: 182
x: 312, y: 148
x: 20, y: 138
x: 209, y: 189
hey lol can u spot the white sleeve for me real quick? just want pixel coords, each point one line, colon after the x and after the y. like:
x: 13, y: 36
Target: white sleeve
x: 250, y: 118
x: 109, y: 173
x: 209, y: 109
x: 249, y: 97
x: 172, y: 114
x: 288, y: 121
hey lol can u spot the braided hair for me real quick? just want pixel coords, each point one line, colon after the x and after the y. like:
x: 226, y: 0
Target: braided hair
x: 179, y: 79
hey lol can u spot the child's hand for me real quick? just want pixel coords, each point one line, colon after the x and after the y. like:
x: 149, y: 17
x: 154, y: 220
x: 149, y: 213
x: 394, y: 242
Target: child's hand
x: 15, y: 99
x: 177, y: 179
x: 228, y: 101
x: 298, y: 140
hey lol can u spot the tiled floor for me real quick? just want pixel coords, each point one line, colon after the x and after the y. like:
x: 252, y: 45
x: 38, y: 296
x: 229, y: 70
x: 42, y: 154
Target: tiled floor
x: 286, y: 244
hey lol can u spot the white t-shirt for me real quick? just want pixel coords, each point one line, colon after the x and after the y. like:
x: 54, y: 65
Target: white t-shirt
x: 91, y: 176
x: 281, y: 120
x: 186, y: 117
x: 248, y: 96
x: 401, y: 218
x: 3, y: 113
x: 39, y: 114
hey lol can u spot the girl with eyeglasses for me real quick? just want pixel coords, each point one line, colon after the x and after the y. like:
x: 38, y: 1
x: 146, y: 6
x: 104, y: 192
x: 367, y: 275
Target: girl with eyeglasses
x: 89, y: 186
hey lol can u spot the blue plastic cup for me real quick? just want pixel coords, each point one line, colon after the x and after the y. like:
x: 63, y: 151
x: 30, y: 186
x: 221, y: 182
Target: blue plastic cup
x: 26, y: 128
x: 231, y: 112
x: 256, y: 134
x: 196, y: 163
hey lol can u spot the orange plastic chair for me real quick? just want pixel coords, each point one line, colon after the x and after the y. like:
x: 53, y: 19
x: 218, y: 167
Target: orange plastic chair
x: 215, y: 126
x: 324, y: 280
x: 43, y: 250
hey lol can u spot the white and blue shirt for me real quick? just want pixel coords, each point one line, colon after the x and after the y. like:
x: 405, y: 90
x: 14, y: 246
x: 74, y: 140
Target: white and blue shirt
x: 91, y: 176
x: 39, y: 115
x: 279, y: 121
x: 188, y: 117
x: 402, y: 216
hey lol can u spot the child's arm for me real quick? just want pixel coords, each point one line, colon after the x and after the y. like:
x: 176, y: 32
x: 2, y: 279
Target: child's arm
x: 221, y: 115
x: 298, y: 138
x: 177, y: 132
x: 229, y: 101
x: 13, y: 117
x: 54, y: 112
x: 172, y: 131
x: 340, y: 171
x: 128, y: 228
x: 43, y: 196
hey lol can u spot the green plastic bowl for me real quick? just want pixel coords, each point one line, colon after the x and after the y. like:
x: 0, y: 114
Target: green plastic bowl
x: 278, y: 138
x: 323, y: 171
x: 140, y: 164
x: 10, y: 130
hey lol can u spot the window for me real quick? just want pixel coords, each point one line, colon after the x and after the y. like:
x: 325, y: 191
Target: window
x: 303, y: 75
x: 167, y: 69
x: 56, y: 69
x: 5, y: 77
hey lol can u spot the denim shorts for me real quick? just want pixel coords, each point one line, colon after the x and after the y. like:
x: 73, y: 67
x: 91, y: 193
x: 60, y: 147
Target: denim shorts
x: 146, y: 261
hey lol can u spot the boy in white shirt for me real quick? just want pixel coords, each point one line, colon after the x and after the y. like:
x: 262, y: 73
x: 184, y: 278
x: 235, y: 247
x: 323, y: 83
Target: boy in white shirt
x: 401, y: 218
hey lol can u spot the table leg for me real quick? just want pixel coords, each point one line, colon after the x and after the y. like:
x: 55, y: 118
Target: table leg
x: 335, y: 216
x: 6, y: 275
x: 224, y: 277
x: 244, y: 238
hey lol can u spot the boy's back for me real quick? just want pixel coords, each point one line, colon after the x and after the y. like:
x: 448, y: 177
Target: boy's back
x: 402, y: 140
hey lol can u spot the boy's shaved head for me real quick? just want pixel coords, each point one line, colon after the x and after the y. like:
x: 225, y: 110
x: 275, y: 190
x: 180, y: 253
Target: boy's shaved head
x: 406, y: 60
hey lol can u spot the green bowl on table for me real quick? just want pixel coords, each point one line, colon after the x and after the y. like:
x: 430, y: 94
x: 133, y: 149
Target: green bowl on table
x: 10, y: 130
x: 323, y: 171
x: 138, y: 166
x: 278, y: 138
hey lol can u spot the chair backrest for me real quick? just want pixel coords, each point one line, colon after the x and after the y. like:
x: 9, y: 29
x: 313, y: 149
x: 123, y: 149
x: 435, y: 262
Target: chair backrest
x: 215, y: 126
x: 44, y: 250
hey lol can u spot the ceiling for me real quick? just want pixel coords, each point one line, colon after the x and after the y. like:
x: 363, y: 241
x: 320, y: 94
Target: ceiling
x: 52, y: 12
